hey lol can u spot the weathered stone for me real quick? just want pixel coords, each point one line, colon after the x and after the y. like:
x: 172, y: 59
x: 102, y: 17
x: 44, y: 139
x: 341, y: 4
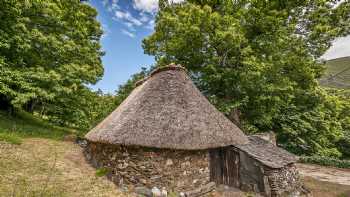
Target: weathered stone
x: 164, y: 192
x: 185, y: 164
x: 169, y: 162
x: 143, y: 181
x: 143, y: 191
x: 148, y: 167
x: 199, y: 191
x: 268, y: 136
x: 156, y: 192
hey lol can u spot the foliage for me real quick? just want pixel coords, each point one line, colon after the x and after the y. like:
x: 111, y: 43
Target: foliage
x: 81, y: 110
x: 101, y: 172
x: 326, y: 161
x: 260, y: 58
x: 22, y: 124
x: 125, y: 89
x: 10, y: 138
x: 48, y: 51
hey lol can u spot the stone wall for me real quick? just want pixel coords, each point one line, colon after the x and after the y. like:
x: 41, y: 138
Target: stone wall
x: 172, y: 170
x: 284, y: 180
x: 259, y: 178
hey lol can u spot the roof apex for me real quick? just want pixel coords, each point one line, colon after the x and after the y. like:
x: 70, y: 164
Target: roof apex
x: 171, y: 66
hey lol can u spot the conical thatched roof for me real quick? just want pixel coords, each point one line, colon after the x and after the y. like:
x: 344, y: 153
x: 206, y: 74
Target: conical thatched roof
x: 166, y: 110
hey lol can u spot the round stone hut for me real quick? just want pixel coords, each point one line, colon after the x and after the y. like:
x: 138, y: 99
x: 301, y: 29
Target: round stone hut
x: 161, y: 135
x: 167, y: 135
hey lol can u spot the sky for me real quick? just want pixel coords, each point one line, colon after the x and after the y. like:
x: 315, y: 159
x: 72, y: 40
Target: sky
x: 126, y: 23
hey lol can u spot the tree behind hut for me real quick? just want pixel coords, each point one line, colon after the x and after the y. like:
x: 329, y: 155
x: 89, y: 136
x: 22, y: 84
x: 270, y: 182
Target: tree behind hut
x: 260, y: 58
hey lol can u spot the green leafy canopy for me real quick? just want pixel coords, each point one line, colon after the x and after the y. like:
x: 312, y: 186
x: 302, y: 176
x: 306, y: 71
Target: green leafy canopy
x: 259, y: 58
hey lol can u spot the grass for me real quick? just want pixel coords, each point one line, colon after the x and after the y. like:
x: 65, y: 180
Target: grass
x: 11, y: 138
x: 23, y: 125
x: 337, y: 74
x: 101, y: 172
x: 326, y: 189
x: 45, y: 168
x: 35, y: 162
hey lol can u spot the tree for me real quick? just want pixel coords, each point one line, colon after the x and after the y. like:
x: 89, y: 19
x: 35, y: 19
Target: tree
x: 125, y: 89
x: 259, y: 58
x: 48, y: 49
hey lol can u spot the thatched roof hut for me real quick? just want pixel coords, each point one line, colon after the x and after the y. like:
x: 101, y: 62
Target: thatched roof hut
x: 166, y: 110
x: 166, y: 134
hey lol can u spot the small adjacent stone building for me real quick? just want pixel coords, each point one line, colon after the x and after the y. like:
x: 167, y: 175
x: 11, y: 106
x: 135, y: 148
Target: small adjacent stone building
x: 167, y: 135
x: 258, y: 166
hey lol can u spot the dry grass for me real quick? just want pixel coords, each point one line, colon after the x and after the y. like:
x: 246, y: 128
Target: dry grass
x: 326, y: 189
x: 43, y: 167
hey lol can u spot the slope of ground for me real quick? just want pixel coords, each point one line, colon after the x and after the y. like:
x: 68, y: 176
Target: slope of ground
x: 328, y: 174
x: 21, y: 125
x: 34, y: 161
x: 43, y: 167
x: 326, y: 189
x: 337, y: 74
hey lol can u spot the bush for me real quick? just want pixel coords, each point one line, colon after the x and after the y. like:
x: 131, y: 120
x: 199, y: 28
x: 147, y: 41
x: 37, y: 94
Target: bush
x: 10, y: 138
x: 344, y: 146
x: 326, y: 161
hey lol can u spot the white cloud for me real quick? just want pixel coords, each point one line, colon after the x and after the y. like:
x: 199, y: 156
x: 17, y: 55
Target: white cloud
x: 115, y: 4
x: 128, y: 33
x: 150, y: 25
x: 146, y: 5
x: 150, y: 6
x: 144, y: 18
x: 340, y: 48
x: 128, y: 17
x: 140, y: 15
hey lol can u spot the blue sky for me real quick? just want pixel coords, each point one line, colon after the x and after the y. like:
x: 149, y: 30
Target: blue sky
x: 126, y: 23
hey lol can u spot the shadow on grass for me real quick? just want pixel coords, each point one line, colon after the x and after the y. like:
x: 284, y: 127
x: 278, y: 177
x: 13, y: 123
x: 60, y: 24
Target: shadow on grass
x: 24, y: 125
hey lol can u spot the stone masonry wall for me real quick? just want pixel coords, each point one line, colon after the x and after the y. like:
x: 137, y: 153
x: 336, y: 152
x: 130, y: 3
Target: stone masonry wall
x: 285, y: 180
x: 256, y: 177
x: 173, y: 170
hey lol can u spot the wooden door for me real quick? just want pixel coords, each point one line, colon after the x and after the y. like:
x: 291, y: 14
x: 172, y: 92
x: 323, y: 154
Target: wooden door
x: 224, y: 166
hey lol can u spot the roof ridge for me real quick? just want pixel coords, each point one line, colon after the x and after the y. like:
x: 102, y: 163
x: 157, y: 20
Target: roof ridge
x: 171, y: 66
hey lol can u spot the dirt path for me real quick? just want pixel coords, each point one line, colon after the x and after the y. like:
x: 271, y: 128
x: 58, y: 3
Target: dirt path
x: 42, y: 167
x: 329, y: 174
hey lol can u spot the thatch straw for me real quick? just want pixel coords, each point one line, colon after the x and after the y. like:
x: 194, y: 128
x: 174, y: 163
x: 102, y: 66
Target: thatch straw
x: 167, y: 111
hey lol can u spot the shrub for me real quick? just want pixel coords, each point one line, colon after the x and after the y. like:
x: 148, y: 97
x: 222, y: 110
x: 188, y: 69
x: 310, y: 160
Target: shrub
x: 344, y: 146
x: 10, y: 138
x: 326, y: 161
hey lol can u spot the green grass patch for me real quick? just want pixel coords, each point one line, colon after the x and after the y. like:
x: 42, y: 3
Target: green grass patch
x: 23, y: 125
x: 326, y: 161
x: 10, y: 138
x: 102, y: 172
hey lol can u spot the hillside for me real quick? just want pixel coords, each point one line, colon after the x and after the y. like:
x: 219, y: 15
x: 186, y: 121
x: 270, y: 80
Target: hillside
x: 36, y: 161
x: 337, y: 73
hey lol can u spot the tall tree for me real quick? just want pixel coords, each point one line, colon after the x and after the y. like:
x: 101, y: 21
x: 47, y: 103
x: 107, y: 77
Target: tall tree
x: 259, y: 58
x: 48, y: 49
